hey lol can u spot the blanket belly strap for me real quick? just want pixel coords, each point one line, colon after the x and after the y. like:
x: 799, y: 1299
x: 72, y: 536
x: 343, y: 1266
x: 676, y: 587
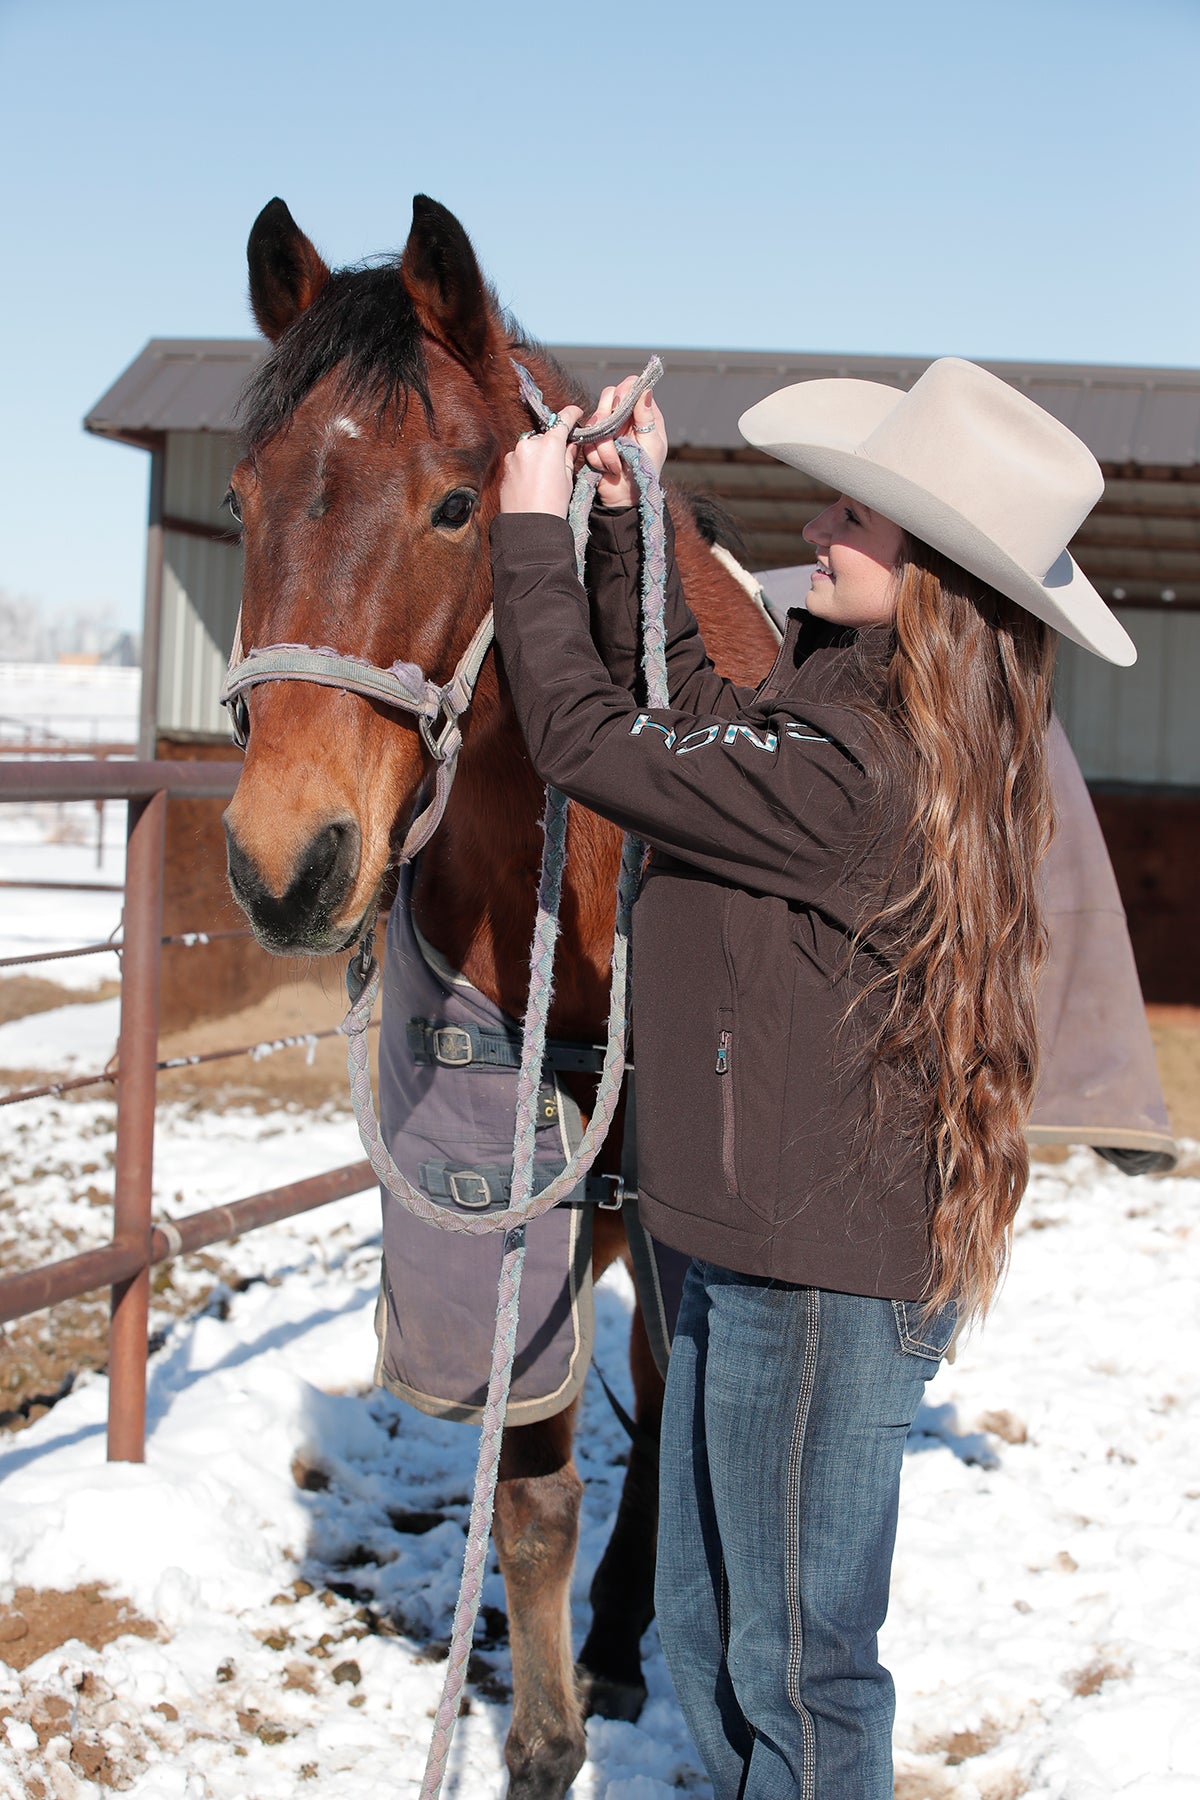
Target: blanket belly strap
x: 458, y: 1046
x: 487, y: 1187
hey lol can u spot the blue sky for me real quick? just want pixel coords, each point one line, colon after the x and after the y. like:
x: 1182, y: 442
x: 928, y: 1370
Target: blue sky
x: 1015, y: 178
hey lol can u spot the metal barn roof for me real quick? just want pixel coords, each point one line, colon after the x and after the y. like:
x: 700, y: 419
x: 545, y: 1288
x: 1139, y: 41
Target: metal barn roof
x: 1132, y: 417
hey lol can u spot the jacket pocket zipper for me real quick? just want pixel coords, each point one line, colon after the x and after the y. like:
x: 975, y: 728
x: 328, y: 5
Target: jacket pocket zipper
x: 725, y: 1071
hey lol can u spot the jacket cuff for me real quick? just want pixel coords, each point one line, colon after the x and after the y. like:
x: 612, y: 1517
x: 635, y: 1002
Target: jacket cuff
x: 614, y: 533
x: 531, y: 537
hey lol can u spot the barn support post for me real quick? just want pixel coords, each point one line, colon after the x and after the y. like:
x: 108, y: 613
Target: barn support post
x: 153, y: 604
x: 137, y: 1053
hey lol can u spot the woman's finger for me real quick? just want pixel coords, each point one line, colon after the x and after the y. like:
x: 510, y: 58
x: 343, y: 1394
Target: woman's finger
x: 604, y: 405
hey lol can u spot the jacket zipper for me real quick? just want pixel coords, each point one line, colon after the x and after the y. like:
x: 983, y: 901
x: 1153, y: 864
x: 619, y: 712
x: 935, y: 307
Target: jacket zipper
x: 766, y: 688
x: 724, y: 1069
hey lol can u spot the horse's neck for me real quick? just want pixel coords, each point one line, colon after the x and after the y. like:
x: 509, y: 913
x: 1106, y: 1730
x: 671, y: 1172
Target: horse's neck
x: 475, y: 896
x: 476, y: 889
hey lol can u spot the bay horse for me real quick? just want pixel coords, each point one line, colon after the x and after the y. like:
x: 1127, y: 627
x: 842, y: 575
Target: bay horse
x: 374, y: 435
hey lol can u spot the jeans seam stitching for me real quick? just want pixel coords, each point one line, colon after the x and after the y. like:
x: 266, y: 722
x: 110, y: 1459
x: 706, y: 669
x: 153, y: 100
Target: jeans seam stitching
x: 914, y: 1346
x: 792, y: 1536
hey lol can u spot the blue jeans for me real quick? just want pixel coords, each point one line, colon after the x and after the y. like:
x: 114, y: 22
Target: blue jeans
x: 783, y: 1434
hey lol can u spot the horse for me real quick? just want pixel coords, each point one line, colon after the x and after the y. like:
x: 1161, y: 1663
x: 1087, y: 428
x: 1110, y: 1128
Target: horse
x: 374, y: 435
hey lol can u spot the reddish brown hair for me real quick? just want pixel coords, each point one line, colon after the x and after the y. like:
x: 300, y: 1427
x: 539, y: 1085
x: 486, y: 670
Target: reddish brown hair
x: 965, y: 721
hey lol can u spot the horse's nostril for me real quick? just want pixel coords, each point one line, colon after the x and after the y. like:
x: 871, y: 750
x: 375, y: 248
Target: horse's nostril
x: 244, y: 878
x: 321, y: 878
x: 330, y: 862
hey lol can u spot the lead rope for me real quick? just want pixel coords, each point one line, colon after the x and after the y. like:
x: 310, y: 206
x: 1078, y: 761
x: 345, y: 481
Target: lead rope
x: 364, y: 976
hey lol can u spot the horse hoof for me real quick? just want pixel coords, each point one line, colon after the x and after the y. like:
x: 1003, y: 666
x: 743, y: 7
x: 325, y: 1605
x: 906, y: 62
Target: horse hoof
x: 602, y: 1698
x: 547, y: 1776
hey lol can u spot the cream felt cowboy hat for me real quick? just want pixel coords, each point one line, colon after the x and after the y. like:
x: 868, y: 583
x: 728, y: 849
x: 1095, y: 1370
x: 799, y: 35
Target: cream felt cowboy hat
x: 968, y: 465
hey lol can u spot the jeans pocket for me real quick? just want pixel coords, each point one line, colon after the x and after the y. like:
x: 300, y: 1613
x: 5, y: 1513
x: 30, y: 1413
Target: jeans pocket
x: 922, y: 1333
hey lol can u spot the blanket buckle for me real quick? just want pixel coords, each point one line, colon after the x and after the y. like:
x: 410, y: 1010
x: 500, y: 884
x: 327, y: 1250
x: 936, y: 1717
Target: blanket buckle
x: 452, y: 1046
x: 469, y: 1189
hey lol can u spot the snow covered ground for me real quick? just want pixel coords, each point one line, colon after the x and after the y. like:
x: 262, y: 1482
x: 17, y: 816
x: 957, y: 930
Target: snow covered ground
x: 83, y: 703
x: 295, y: 1537
x: 1042, y: 1630
x: 58, y: 842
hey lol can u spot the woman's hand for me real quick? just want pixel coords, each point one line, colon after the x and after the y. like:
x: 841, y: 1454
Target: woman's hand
x: 616, y: 484
x: 540, y: 473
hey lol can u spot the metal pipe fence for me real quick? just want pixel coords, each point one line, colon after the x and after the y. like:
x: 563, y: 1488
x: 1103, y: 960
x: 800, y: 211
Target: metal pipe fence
x: 138, y: 1242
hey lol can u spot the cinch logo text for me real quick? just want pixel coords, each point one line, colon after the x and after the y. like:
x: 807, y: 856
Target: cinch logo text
x: 704, y: 735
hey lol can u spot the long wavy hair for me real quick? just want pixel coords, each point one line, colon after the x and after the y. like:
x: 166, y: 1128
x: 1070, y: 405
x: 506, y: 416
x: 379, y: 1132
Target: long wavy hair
x: 965, y: 721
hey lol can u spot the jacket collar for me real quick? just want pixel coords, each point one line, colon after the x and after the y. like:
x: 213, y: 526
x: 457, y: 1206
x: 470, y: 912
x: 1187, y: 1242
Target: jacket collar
x: 838, y: 662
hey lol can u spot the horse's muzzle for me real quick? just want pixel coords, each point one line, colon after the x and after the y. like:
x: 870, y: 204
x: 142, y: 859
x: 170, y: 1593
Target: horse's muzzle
x: 300, y: 921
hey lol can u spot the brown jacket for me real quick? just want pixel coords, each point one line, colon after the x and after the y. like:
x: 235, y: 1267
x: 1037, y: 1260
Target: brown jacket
x: 747, y: 1124
x: 767, y: 850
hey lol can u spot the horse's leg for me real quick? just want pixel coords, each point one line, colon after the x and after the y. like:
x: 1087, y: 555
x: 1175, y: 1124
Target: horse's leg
x: 536, y: 1527
x: 610, y: 1663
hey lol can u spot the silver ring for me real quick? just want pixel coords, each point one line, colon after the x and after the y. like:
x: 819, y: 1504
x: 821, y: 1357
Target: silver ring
x: 651, y: 427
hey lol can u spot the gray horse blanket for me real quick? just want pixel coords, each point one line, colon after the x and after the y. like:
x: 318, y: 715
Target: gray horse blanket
x: 447, y: 1102
x: 1099, y: 1080
x: 447, y: 1099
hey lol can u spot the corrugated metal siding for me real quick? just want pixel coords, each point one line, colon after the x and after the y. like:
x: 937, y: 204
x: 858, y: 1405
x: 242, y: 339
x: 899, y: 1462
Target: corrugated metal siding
x: 202, y: 585
x: 1140, y: 724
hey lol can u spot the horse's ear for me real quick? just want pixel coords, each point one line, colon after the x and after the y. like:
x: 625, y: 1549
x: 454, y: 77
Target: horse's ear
x: 286, y: 272
x: 441, y: 274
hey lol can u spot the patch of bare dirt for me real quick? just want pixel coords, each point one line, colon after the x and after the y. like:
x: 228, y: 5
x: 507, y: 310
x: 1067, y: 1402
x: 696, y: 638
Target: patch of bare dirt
x: 23, y: 995
x: 930, y: 1784
x: 1005, y: 1425
x: 37, y: 1620
x: 302, y: 1074
x: 1090, y: 1679
x: 1176, y: 1034
x: 45, y: 1353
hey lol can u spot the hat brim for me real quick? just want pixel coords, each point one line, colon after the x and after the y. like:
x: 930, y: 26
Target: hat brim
x: 824, y: 432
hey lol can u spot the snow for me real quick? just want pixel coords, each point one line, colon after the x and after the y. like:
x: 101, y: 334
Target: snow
x: 72, y: 1039
x: 83, y: 703
x: 57, y: 842
x: 1042, y: 1630
x: 1022, y: 1568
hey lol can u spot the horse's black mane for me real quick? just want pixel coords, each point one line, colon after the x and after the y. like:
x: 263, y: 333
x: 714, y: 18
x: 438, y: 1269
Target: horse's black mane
x: 715, y: 524
x: 363, y: 320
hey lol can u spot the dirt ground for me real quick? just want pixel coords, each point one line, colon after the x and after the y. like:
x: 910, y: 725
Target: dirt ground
x: 304, y: 1075
x: 40, y: 1619
x: 1176, y: 1034
x: 23, y: 995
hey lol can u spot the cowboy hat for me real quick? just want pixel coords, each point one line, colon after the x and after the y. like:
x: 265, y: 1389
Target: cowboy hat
x: 968, y: 465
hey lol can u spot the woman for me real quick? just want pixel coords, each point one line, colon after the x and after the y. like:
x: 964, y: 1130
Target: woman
x: 836, y: 951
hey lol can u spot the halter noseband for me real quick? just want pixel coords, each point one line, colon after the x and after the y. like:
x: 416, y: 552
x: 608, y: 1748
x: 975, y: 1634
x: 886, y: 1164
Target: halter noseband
x: 404, y: 686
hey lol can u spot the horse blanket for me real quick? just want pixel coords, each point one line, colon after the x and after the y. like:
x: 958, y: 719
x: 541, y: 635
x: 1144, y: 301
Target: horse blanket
x: 448, y: 1061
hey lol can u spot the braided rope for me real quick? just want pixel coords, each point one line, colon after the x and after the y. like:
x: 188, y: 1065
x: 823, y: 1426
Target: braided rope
x: 525, y: 1204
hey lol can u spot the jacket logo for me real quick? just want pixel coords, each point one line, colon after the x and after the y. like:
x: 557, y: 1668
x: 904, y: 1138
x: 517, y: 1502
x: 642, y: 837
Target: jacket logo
x: 704, y: 735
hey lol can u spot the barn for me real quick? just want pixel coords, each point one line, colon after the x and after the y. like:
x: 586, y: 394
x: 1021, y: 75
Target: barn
x: 1136, y: 732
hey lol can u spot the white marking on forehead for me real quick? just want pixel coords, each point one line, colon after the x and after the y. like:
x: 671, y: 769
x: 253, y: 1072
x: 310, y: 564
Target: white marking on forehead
x: 345, y: 426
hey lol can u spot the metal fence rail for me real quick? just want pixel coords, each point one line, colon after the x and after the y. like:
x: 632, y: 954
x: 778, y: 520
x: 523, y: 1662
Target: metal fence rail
x: 138, y: 1244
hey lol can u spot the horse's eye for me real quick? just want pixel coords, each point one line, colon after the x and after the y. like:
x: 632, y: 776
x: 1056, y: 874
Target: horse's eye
x: 233, y: 503
x: 453, y: 512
